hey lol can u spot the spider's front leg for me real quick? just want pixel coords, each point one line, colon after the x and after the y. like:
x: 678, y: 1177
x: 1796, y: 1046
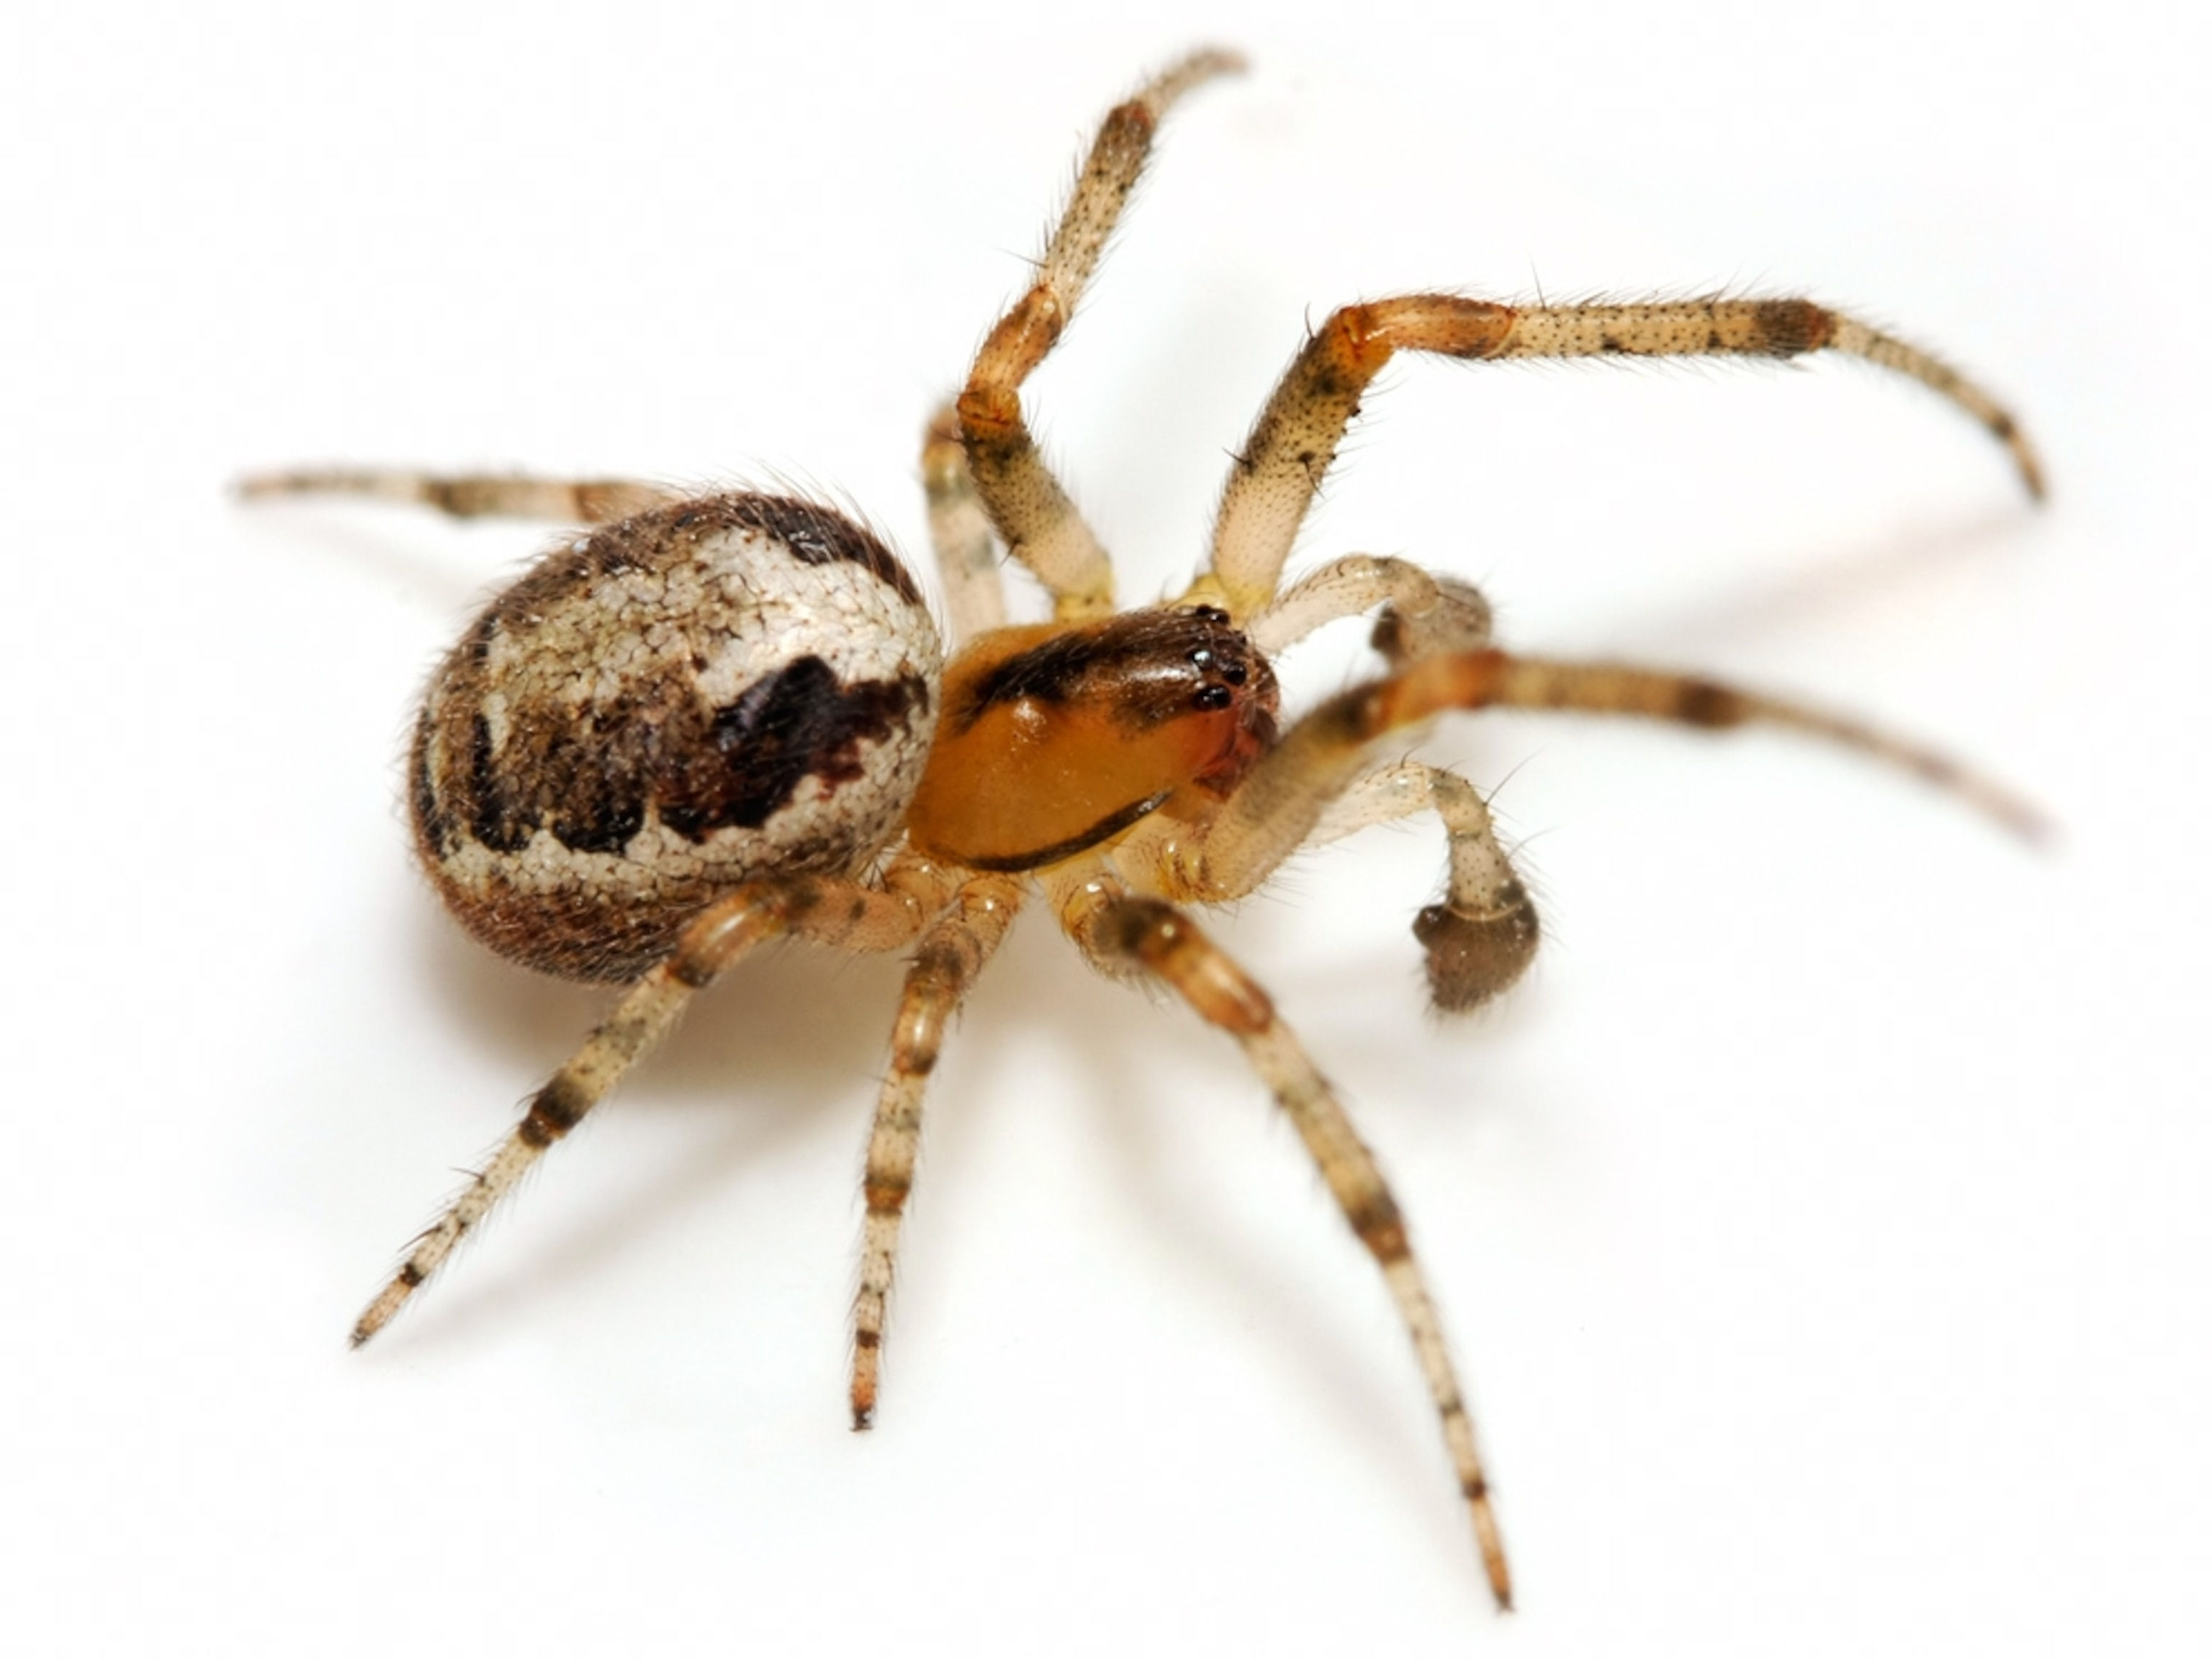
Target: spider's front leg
x: 1277, y: 806
x: 1293, y: 443
x: 472, y: 495
x: 1123, y: 933
x: 1040, y: 525
x: 1316, y: 783
x: 824, y: 909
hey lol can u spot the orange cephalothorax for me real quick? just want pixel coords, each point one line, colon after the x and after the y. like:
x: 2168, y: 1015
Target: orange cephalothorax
x: 1053, y: 738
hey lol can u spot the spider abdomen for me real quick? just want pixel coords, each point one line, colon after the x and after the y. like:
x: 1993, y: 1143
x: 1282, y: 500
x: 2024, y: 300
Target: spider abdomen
x: 664, y: 707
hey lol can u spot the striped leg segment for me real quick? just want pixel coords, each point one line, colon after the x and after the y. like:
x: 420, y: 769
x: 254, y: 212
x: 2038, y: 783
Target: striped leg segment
x: 960, y: 531
x: 1289, y: 450
x: 946, y: 964
x: 1606, y: 688
x: 1040, y: 524
x: 838, y: 912
x: 472, y: 495
x: 1114, y: 927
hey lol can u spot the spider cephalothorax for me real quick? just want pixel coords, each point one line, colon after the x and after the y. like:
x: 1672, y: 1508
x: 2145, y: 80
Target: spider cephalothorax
x: 709, y: 722
x: 1056, y: 738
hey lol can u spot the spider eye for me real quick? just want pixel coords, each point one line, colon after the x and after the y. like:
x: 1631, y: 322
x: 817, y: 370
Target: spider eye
x: 1212, y: 697
x: 1213, y: 613
x: 1234, y: 673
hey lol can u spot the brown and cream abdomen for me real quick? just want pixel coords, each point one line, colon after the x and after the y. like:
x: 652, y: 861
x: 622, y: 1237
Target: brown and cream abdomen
x: 661, y: 709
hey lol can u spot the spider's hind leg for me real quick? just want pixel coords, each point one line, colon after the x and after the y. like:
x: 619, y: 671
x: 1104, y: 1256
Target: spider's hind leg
x: 472, y: 495
x: 824, y: 909
x: 1123, y: 933
x: 960, y: 532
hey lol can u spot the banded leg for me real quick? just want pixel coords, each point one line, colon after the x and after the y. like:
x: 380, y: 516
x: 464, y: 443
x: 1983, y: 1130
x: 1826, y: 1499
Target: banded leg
x: 472, y: 495
x: 1279, y: 803
x: 946, y: 964
x: 1040, y: 526
x: 1273, y: 481
x: 1150, y: 934
x: 831, y: 912
x: 960, y: 531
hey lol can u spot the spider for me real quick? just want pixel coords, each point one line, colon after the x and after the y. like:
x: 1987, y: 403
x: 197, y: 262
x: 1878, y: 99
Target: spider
x: 707, y: 721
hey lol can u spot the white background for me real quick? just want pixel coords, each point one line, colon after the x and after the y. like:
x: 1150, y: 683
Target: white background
x: 1823, y: 1225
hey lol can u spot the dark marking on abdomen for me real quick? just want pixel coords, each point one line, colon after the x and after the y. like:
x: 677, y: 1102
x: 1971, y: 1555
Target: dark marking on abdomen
x: 794, y: 725
x: 591, y: 778
x: 495, y: 817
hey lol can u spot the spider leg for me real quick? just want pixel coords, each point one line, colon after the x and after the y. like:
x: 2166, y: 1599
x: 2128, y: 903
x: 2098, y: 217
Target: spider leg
x: 1040, y: 526
x: 960, y: 531
x: 946, y: 964
x: 827, y: 910
x: 472, y: 495
x: 1274, y: 479
x: 1120, y: 931
x: 1277, y: 806
x: 1610, y: 689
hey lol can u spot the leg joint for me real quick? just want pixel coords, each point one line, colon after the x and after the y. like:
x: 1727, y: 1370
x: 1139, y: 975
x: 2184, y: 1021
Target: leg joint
x: 1375, y: 1219
x: 556, y: 1110
x: 1788, y: 327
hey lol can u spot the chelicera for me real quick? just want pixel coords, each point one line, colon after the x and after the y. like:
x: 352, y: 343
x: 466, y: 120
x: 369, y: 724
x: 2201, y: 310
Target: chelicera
x: 706, y: 722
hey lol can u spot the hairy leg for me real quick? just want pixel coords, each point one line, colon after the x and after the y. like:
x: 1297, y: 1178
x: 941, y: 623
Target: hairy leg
x: 1274, y: 480
x: 1277, y: 806
x: 960, y: 531
x: 472, y: 495
x: 946, y: 964
x: 1040, y: 526
x: 819, y: 908
x: 1128, y: 934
